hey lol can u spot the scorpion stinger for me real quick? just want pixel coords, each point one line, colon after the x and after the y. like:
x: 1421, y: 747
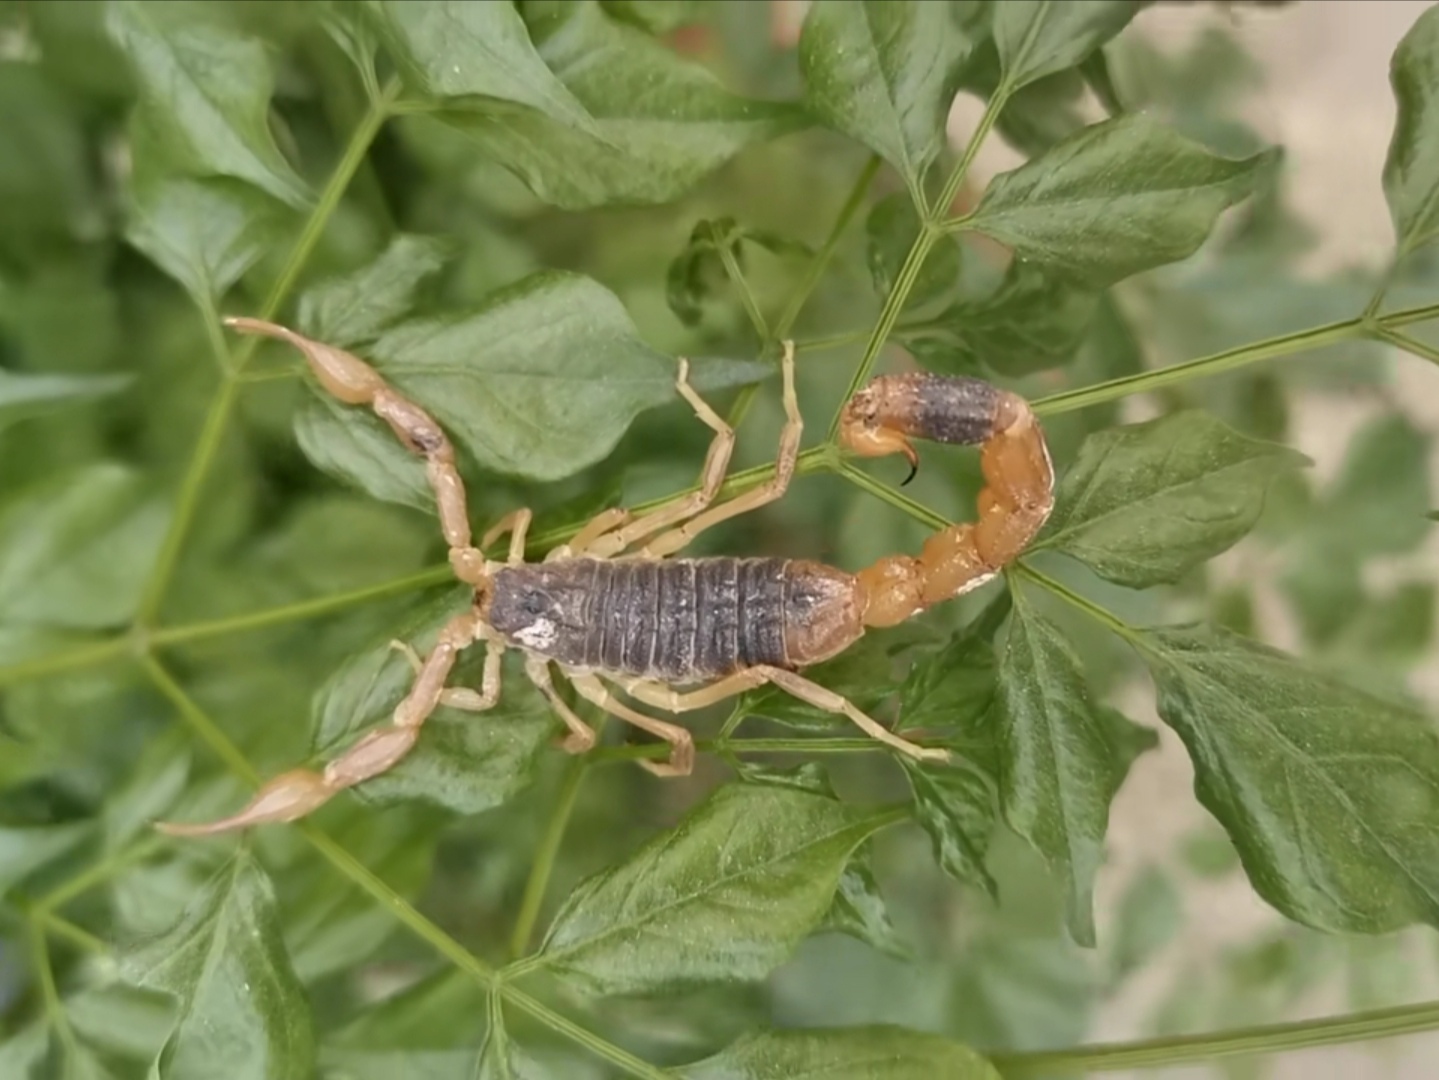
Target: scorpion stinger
x: 635, y: 622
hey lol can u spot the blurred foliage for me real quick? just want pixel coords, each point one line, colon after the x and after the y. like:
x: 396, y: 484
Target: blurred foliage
x: 520, y: 213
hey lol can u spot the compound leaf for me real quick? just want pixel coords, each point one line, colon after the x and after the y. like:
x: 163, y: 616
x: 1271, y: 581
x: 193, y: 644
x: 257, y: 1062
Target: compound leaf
x: 1146, y: 503
x: 242, y: 1011
x: 1330, y: 795
x: 726, y: 895
x: 1114, y: 199
x: 956, y: 807
x: 884, y: 73
x: 1411, y: 169
x: 1036, y: 38
x: 876, y: 1052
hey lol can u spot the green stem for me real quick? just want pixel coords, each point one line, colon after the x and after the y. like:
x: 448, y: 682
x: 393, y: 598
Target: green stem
x: 544, y: 863
x: 826, y: 745
x: 304, y: 609
x: 1228, y: 360
x: 1240, y: 1042
x: 880, y: 490
x: 930, y: 231
x: 98, y: 873
x: 834, y: 341
x: 1410, y: 345
x: 1089, y: 607
x: 188, y: 500
x: 1404, y: 317
x: 746, y: 294
x: 78, y: 936
x: 50, y: 994
x: 153, y: 594
x: 82, y: 656
x: 200, y: 722
x: 601, y: 1048
x: 795, y: 305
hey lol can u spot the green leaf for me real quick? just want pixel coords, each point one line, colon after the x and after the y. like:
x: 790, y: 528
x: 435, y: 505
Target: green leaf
x: 23, y: 396
x: 1411, y: 169
x: 893, y: 227
x: 1114, y: 199
x: 1031, y: 322
x: 358, y: 448
x: 1331, y: 796
x: 956, y: 807
x: 1146, y: 503
x: 242, y: 1012
x: 1036, y: 38
x: 884, y: 73
x: 859, y: 910
x: 74, y: 550
x: 699, y: 270
x: 204, y: 233
x: 1061, y: 763
x: 724, y: 896
x: 204, y: 103
x: 467, y: 762
x: 539, y: 381
x: 351, y: 310
x: 876, y: 1052
x: 659, y: 123
x: 454, y: 49
x: 655, y: 16
x: 1376, y: 505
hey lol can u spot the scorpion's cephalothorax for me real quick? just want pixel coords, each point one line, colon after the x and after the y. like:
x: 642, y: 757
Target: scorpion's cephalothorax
x: 678, y: 621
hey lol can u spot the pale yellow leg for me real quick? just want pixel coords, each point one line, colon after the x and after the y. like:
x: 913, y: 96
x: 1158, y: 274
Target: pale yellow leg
x: 682, y: 746
x: 711, y: 477
x: 581, y: 737
x: 596, y: 527
x: 772, y: 489
x: 662, y: 697
x: 829, y: 701
x: 517, y: 524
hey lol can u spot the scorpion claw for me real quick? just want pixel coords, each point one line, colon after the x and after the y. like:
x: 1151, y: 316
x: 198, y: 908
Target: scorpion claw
x: 913, y: 459
x: 287, y: 797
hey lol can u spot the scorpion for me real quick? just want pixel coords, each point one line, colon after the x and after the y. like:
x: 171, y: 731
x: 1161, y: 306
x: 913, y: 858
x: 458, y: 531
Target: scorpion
x: 677, y: 634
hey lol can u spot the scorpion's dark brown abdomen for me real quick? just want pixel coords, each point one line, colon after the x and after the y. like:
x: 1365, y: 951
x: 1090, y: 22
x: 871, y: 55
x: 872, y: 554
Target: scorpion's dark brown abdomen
x: 677, y: 621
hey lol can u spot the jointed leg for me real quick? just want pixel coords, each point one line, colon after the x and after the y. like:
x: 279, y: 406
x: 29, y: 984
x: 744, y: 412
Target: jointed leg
x: 711, y: 477
x: 294, y: 794
x: 517, y: 524
x: 355, y: 382
x: 673, y: 701
x: 682, y: 746
x: 673, y: 541
x: 581, y: 737
x: 593, y: 529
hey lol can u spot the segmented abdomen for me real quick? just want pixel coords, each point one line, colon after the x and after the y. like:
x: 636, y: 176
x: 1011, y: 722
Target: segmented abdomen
x: 674, y: 620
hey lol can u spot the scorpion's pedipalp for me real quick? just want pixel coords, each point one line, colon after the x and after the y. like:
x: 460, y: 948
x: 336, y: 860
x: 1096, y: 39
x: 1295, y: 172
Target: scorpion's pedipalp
x: 354, y: 382
x: 1013, y: 506
x: 294, y: 794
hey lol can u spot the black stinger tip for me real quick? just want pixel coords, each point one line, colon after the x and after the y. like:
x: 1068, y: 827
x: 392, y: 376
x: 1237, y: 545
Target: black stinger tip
x: 913, y: 472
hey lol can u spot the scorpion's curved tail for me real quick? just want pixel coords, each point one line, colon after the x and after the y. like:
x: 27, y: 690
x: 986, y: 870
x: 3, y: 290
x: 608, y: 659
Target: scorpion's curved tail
x: 1013, y: 505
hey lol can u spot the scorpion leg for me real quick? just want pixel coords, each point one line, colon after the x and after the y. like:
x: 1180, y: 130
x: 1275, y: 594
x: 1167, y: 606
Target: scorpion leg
x: 768, y: 492
x: 354, y: 382
x: 581, y: 738
x: 711, y: 477
x: 595, y: 528
x: 517, y: 524
x: 294, y: 794
x: 673, y: 701
x: 682, y: 745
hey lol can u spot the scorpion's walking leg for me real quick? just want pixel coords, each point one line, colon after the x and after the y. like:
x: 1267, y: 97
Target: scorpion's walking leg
x: 517, y: 524
x: 711, y: 477
x: 682, y: 745
x: 790, y: 682
x: 354, y: 382
x: 581, y: 737
x: 294, y: 794
x: 596, y: 527
x: 768, y: 492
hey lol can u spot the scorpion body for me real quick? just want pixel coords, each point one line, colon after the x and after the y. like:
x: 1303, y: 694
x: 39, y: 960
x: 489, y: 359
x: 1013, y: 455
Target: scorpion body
x: 612, y: 613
